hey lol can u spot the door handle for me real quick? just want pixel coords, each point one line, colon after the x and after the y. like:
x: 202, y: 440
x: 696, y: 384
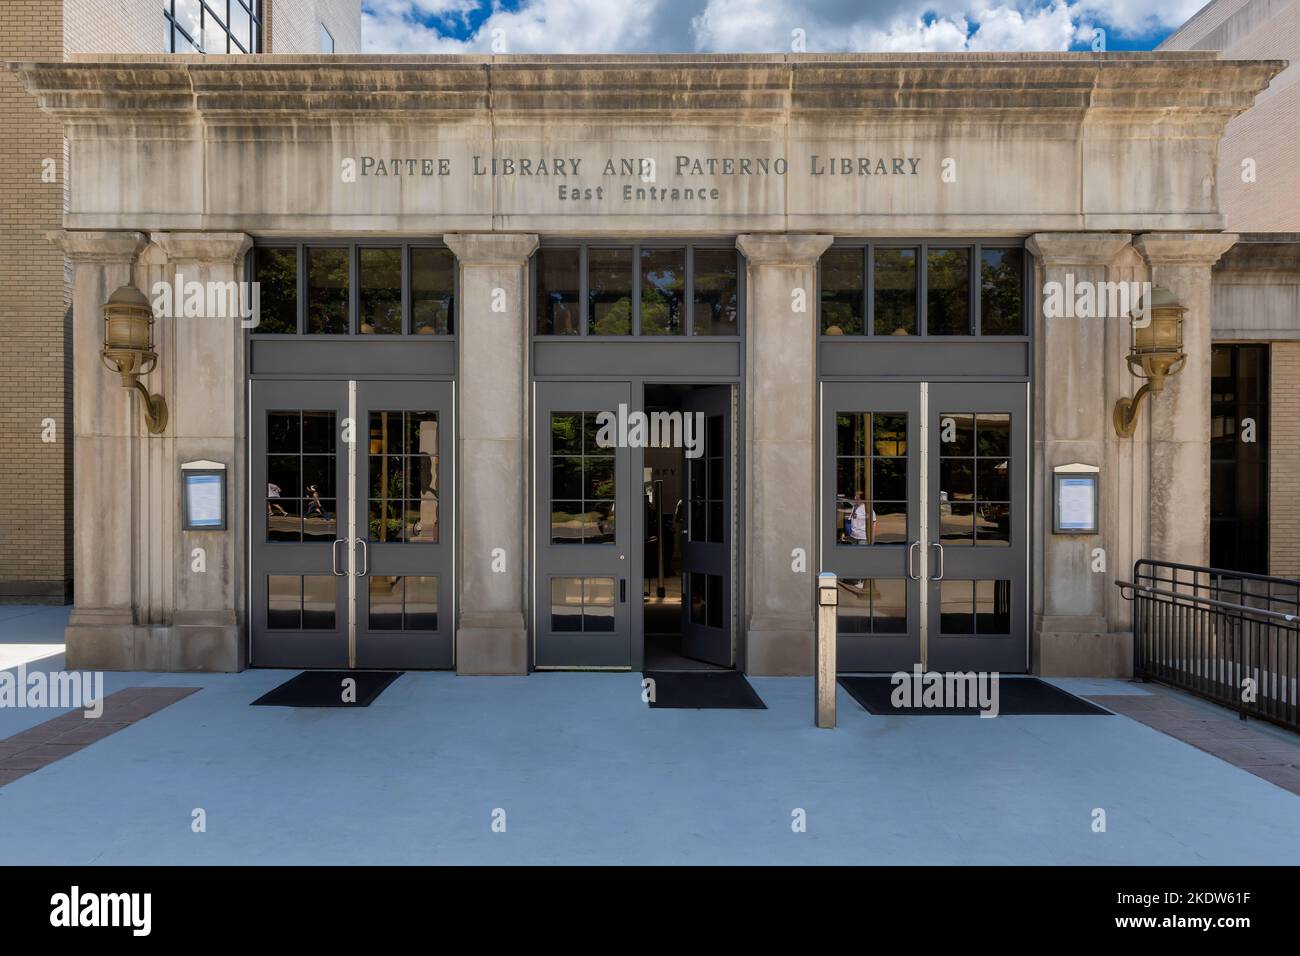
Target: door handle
x: 365, y: 553
x: 334, y: 557
x: 939, y: 576
x: 622, y: 590
x: 911, y: 563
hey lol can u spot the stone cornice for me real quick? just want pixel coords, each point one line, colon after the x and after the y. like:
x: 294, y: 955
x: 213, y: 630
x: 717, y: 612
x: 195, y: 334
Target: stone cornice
x: 1036, y: 88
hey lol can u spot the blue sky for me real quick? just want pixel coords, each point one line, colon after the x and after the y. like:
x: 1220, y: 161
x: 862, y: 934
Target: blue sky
x: 732, y: 26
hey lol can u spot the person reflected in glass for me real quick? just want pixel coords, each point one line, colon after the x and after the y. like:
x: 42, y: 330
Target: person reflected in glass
x: 274, y: 508
x: 858, y: 528
x: 314, y: 506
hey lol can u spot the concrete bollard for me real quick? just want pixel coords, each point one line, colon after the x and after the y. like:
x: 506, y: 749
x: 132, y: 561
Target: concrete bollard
x: 827, y: 600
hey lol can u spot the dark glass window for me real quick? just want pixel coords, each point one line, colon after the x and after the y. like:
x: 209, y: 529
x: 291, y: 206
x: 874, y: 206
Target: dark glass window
x: 1001, y: 291
x: 648, y: 290
x: 433, y: 291
x: 663, y: 291
x: 583, y: 481
x: 1239, y: 421
x: 716, y: 294
x: 276, y: 274
x: 609, y: 291
x: 212, y: 26
x: 947, y: 285
x: 327, y: 291
x: 558, y: 284
x: 894, y: 274
x: 842, y: 296
x: 380, y: 287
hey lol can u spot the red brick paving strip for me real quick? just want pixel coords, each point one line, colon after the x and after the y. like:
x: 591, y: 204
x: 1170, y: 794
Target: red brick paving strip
x: 1238, y: 742
x: 40, y: 746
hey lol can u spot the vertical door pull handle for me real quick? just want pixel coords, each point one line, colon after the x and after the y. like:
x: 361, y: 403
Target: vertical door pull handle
x: 939, y: 576
x: 334, y: 557
x: 365, y: 553
x: 911, y: 563
x: 622, y: 590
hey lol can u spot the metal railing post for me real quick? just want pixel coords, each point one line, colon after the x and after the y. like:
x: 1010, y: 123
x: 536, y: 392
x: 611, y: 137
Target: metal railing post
x: 827, y: 600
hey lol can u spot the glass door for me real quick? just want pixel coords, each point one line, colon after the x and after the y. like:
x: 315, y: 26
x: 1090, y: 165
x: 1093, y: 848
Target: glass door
x: 351, y: 541
x: 583, y: 510
x: 978, y: 502
x: 706, y: 552
x: 404, y: 475
x: 871, y: 521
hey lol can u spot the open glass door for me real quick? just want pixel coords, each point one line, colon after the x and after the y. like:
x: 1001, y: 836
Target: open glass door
x: 707, y: 626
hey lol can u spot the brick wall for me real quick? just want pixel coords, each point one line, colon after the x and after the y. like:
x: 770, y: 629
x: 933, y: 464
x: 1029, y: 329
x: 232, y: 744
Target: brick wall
x: 112, y: 26
x: 295, y: 25
x: 35, y: 544
x: 1284, y: 460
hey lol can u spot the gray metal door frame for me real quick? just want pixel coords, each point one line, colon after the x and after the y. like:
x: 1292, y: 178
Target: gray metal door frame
x: 701, y: 553
x: 616, y: 561
x: 347, y: 557
x: 924, y: 562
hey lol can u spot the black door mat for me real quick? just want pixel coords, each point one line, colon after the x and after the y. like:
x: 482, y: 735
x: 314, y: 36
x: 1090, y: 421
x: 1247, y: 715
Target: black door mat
x: 1017, y: 696
x: 703, y: 690
x: 326, y: 689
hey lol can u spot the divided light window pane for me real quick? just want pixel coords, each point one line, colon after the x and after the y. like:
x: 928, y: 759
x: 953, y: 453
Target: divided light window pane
x: 947, y: 279
x: 1001, y: 287
x: 716, y: 299
x: 663, y: 291
x: 380, y: 281
x: 843, y: 283
x: 894, y: 275
x: 277, y: 278
x: 327, y: 291
x: 558, y: 311
x: 609, y: 291
x: 433, y: 291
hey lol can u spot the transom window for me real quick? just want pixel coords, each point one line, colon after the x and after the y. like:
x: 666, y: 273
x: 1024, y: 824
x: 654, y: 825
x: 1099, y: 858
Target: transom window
x: 923, y: 288
x: 659, y: 289
x: 352, y: 289
x: 212, y: 26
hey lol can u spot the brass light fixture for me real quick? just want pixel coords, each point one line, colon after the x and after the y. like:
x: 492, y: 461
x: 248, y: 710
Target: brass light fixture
x: 128, y: 349
x: 1156, y: 353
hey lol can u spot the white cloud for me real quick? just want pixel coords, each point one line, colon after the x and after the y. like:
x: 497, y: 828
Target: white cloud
x: 730, y: 26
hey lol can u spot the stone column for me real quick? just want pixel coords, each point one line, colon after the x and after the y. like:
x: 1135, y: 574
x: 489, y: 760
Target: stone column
x: 491, y: 441
x: 780, y: 513
x: 1071, y: 423
x: 197, y: 620
x: 105, y: 415
x: 1179, y: 493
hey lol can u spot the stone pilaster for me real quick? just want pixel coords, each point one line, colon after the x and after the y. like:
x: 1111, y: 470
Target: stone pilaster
x: 1071, y: 422
x: 781, y: 428
x: 491, y: 441
x: 1179, y: 493
x: 105, y: 416
x: 196, y: 619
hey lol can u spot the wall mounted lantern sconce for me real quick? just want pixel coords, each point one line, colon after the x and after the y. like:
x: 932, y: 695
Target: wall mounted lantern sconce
x: 1156, y: 353
x: 128, y: 349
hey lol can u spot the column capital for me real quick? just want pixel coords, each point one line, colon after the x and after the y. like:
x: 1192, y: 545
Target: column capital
x: 782, y: 248
x: 491, y: 248
x: 1184, y: 248
x: 106, y: 247
x: 1077, y: 248
x: 203, y: 246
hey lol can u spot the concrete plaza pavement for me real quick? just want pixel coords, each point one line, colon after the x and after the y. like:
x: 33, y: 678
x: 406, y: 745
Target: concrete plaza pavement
x: 584, y: 772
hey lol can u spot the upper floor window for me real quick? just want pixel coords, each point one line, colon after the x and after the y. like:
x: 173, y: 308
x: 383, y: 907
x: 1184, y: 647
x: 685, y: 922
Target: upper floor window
x: 339, y: 288
x: 923, y: 288
x: 661, y: 288
x: 212, y: 26
x: 326, y: 40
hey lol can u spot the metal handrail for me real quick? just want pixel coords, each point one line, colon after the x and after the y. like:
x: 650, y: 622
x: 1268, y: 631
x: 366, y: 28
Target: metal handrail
x: 1244, y: 608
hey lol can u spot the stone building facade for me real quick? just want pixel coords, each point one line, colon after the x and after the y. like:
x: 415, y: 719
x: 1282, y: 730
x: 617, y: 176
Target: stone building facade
x: 470, y: 267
